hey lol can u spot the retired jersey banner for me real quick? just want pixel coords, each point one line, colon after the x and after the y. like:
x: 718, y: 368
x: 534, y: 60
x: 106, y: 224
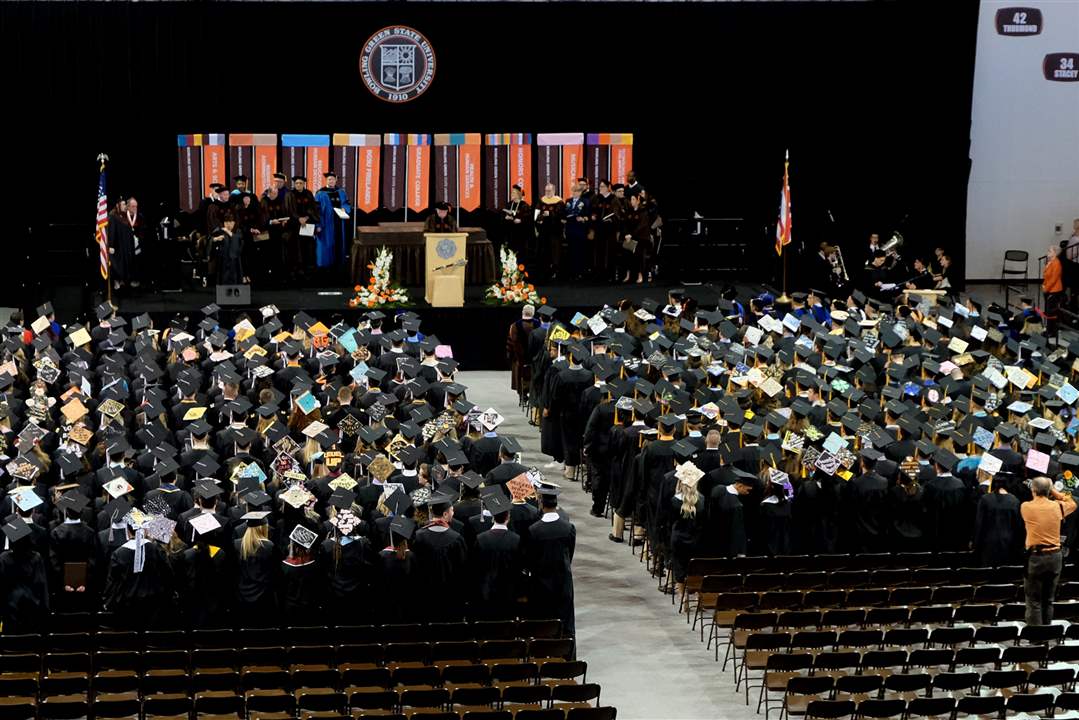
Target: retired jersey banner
x: 419, y: 172
x: 353, y: 156
x: 393, y: 174
x: 253, y: 155
x: 190, y: 166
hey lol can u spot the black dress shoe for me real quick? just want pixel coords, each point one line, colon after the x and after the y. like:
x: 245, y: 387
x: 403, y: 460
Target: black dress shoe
x: 595, y: 514
x: 612, y: 538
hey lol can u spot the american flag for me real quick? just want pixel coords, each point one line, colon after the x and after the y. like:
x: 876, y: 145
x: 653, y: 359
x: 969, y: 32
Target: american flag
x: 783, y: 227
x: 102, y: 221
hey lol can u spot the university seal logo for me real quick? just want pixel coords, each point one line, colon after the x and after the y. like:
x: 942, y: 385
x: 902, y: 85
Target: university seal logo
x: 397, y: 64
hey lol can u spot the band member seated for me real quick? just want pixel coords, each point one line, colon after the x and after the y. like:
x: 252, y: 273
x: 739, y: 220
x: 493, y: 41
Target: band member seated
x: 922, y: 279
x: 441, y: 220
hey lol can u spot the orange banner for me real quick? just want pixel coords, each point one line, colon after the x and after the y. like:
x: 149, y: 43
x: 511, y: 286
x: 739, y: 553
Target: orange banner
x: 367, y: 163
x: 468, y: 182
x: 418, y: 179
x: 318, y: 162
x: 621, y: 162
x: 572, y: 167
x: 213, y: 167
x: 521, y: 169
x: 265, y: 167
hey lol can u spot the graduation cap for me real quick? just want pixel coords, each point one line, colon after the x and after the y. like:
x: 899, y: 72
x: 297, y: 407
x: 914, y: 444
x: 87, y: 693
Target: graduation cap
x: 510, y: 444
x: 471, y: 480
x: 207, y: 490
x: 255, y: 518
x: 72, y: 500
x: 206, y: 466
x: 946, y: 459
x: 342, y: 499
x: 684, y: 449
x: 402, y: 527
x: 411, y: 455
x: 441, y: 498
x: 15, y: 529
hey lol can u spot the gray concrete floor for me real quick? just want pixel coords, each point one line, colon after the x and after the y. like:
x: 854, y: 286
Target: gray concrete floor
x: 647, y: 662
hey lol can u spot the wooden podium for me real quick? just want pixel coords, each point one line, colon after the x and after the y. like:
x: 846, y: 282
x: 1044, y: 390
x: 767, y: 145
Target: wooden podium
x: 445, y: 269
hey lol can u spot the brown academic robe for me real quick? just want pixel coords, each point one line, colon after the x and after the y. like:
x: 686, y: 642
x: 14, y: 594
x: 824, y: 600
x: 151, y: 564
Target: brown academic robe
x: 549, y: 232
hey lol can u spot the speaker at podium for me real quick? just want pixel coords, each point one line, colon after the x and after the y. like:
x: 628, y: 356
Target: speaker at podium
x: 445, y: 276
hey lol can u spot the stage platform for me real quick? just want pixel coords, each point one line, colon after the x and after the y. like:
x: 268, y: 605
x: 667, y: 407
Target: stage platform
x: 476, y: 331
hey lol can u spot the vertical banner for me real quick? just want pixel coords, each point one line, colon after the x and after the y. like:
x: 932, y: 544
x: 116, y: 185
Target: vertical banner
x: 496, y: 186
x: 597, y: 159
x: 468, y: 172
x: 190, y: 167
x: 572, y: 166
x: 253, y: 155
x: 419, y: 172
x: 561, y: 160
x: 445, y: 173
x: 213, y: 160
x: 307, y: 155
x: 621, y: 156
x: 457, y: 171
x: 349, y: 151
x: 548, y: 170
x: 521, y: 163
x: 393, y: 176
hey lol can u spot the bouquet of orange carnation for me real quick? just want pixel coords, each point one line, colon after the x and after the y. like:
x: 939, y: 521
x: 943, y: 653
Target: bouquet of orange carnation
x: 379, y: 291
x: 513, y: 288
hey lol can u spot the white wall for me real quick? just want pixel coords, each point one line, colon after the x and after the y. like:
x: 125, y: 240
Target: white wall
x: 1024, y: 135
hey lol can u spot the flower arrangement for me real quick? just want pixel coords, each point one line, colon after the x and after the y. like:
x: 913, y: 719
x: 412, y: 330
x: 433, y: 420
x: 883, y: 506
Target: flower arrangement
x: 379, y: 291
x: 513, y: 288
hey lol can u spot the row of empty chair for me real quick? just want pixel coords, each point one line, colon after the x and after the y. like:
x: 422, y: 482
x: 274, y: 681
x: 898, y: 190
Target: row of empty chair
x: 812, y: 707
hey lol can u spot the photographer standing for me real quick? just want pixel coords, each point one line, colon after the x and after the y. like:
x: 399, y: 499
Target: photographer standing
x: 1045, y: 560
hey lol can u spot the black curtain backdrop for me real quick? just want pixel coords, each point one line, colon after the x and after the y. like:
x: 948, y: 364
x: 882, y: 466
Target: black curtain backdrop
x: 871, y: 98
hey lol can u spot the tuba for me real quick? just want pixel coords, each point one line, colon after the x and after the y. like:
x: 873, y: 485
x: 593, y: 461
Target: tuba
x: 892, y: 246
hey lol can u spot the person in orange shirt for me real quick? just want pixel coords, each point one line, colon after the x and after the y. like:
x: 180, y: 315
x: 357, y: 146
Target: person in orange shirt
x: 1042, y: 516
x: 1053, y: 287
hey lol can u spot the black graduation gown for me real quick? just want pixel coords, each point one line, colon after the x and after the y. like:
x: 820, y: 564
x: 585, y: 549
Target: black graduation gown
x: 948, y: 506
x: 24, y: 587
x: 550, y: 425
x: 999, y: 530
x: 774, y: 528
x: 256, y: 584
x: 441, y: 564
x: 496, y: 574
x: 623, y: 468
x: 72, y: 543
x: 126, y: 243
x: 908, y: 518
x: 549, y: 559
x: 522, y: 516
x: 483, y: 454
x: 140, y: 599
x: 865, y: 509
x: 349, y: 569
x: 567, y: 389
x: 813, y: 517
x: 207, y: 593
x: 398, y: 584
x: 302, y: 586
x: 656, y: 461
x: 725, y: 533
x: 232, y: 251
x: 686, y: 535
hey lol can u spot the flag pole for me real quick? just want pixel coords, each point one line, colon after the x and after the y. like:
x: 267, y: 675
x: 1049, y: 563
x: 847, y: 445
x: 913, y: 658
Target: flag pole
x: 784, y: 298
x: 102, y: 159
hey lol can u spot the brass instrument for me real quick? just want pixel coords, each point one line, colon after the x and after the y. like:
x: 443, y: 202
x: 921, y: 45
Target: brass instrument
x: 894, y: 243
x: 837, y: 262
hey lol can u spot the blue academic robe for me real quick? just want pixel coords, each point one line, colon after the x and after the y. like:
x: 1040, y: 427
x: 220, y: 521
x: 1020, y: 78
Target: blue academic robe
x: 328, y: 249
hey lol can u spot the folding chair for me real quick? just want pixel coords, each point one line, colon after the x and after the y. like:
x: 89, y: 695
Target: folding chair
x: 801, y: 691
x: 755, y: 656
x: 903, y: 686
x: 881, y: 708
x: 858, y: 687
x: 13, y: 707
x: 830, y: 709
x: 170, y: 705
x: 778, y: 669
x: 744, y: 625
x: 590, y: 713
x: 1033, y: 703
x: 575, y: 694
x: 941, y: 707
